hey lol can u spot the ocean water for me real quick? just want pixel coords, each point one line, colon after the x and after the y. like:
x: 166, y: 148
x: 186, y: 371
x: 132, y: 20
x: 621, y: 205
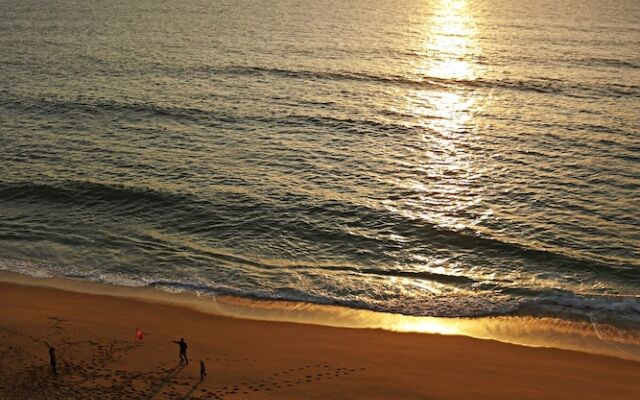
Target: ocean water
x: 421, y: 157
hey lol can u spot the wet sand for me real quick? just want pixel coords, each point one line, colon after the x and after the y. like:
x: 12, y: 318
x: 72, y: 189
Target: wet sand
x: 99, y: 357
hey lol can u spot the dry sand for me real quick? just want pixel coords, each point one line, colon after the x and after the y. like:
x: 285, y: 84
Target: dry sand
x: 99, y: 358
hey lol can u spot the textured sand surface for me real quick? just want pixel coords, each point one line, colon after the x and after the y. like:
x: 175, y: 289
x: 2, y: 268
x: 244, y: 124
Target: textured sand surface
x: 99, y: 358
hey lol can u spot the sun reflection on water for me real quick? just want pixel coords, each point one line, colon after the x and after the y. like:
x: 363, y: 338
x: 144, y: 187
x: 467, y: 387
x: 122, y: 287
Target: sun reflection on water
x: 529, y: 331
x: 450, y: 42
x: 446, y: 112
x: 449, y: 47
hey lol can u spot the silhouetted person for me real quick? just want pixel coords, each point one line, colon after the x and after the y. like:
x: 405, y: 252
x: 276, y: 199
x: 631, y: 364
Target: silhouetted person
x: 183, y: 350
x: 203, y: 370
x: 52, y: 360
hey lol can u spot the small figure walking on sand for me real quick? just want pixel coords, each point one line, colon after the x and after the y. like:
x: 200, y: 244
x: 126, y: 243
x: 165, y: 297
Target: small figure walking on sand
x: 52, y: 360
x: 203, y: 370
x: 183, y: 350
x: 139, y: 334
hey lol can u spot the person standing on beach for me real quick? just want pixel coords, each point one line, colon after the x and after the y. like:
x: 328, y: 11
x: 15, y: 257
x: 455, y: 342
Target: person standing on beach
x: 139, y: 334
x: 52, y: 360
x: 183, y: 350
x: 203, y: 370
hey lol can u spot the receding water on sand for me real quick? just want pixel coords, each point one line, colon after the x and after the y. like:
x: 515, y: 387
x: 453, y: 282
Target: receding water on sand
x: 585, y: 336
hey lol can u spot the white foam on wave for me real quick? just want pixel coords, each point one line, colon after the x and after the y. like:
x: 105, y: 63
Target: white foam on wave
x: 617, y: 310
x: 607, y: 304
x: 600, y: 338
x: 621, y: 311
x: 26, y: 268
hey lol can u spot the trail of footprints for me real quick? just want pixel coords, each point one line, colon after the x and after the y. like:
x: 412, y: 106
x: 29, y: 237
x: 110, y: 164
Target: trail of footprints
x: 98, y: 375
x: 77, y: 379
x: 279, y: 381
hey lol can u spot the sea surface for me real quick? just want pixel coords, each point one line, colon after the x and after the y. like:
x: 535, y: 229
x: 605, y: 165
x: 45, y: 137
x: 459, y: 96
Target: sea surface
x: 433, y: 158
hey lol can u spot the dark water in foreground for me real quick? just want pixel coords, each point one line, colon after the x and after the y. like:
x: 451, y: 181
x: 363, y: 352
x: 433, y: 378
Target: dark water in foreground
x: 441, y: 158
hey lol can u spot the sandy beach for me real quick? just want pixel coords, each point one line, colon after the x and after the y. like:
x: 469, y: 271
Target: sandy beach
x: 413, y: 199
x: 99, y: 357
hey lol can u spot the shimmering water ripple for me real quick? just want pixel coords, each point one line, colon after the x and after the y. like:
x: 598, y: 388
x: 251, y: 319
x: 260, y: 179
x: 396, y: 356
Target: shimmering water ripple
x: 443, y: 158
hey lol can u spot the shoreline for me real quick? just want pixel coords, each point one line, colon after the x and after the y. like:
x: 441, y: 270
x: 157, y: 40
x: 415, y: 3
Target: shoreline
x: 520, y: 330
x: 99, y: 356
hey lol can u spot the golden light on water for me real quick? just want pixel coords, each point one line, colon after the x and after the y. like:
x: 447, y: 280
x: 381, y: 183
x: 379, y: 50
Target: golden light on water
x: 547, y: 332
x: 449, y: 48
x: 450, y: 42
x: 529, y: 331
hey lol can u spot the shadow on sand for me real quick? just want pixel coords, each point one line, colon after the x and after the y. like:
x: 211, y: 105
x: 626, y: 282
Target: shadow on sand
x: 193, y: 389
x: 160, y: 385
